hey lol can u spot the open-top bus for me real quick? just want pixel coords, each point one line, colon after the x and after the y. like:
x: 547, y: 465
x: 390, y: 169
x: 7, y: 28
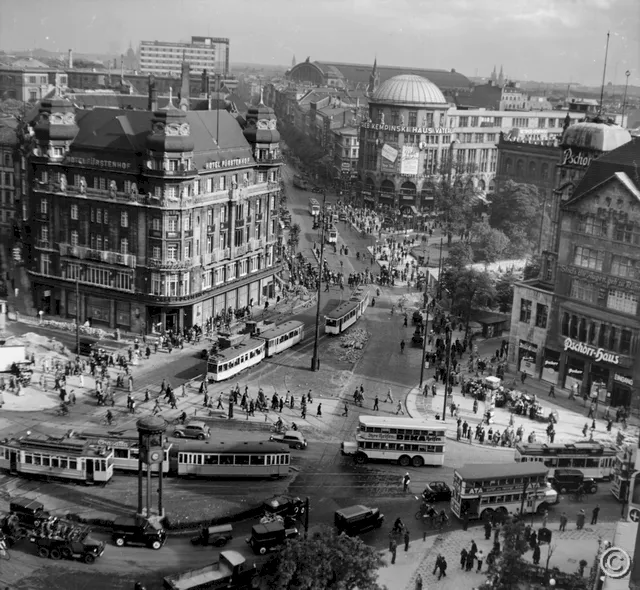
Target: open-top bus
x: 314, y: 208
x: 404, y: 440
x: 594, y: 459
x: 481, y: 490
x: 232, y: 459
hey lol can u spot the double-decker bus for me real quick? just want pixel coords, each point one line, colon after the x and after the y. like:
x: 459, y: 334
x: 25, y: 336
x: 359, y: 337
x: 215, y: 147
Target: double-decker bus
x: 232, y: 459
x: 403, y: 440
x: 623, y: 470
x: 482, y: 490
x: 314, y: 208
x: 594, y: 459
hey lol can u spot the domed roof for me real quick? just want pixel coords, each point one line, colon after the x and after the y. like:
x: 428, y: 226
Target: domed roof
x: 408, y: 89
x: 595, y: 136
x: 261, y: 125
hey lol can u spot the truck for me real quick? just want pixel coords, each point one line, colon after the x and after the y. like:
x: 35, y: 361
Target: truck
x: 54, y: 537
x: 230, y: 571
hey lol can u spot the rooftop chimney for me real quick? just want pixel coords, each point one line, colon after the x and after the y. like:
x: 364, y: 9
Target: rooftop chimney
x: 70, y: 59
x: 153, y: 99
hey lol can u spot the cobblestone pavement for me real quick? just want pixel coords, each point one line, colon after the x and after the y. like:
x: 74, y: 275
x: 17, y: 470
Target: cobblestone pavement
x: 568, y: 548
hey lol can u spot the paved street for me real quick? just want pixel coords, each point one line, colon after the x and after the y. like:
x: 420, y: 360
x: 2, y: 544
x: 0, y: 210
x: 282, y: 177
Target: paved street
x: 320, y: 472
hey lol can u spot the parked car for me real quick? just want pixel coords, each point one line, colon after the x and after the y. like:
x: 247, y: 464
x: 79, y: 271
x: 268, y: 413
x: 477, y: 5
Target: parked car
x: 270, y: 536
x: 285, y: 506
x: 436, y: 491
x: 133, y: 531
x: 567, y: 481
x: 293, y: 438
x: 357, y: 519
x: 218, y: 536
x: 195, y: 429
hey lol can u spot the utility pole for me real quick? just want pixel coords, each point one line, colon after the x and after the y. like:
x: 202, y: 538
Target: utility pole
x: 315, y: 360
x: 78, y: 313
x: 440, y: 272
x: 449, y: 331
x: 426, y: 324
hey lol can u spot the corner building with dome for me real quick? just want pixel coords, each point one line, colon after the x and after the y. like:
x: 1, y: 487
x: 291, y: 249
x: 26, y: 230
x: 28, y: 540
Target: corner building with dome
x: 403, y: 144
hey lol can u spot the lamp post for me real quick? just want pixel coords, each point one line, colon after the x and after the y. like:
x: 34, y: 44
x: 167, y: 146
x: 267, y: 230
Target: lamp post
x: 78, y: 314
x: 426, y: 323
x: 448, y: 331
x: 624, y: 100
x: 440, y: 272
x: 315, y: 359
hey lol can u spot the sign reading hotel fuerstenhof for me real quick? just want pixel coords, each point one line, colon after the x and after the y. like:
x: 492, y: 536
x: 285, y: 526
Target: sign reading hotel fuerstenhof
x: 404, y: 129
x: 597, y: 354
x: 227, y: 163
x: 82, y: 160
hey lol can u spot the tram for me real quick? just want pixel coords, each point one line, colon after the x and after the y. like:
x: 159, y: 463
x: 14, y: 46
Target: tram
x: 231, y: 459
x: 126, y: 450
x: 65, y: 458
x: 282, y: 337
x: 231, y: 361
x: 348, y: 312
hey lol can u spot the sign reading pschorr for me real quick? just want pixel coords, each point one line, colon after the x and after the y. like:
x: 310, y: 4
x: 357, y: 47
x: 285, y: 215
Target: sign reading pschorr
x: 597, y: 354
x: 581, y: 159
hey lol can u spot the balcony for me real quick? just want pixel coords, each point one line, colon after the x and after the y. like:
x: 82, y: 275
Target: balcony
x: 255, y: 244
x: 187, y: 233
x: 43, y: 245
x: 84, y: 253
x: 155, y: 233
x: 262, y: 188
x: 40, y: 216
x: 182, y: 170
x: 269, y: 159
x: 259, y: 216
x: 170, y: 264
x: 172, y: 235
x: 211, y: 229
x: 240, y: 222
x: 216, y: 196
x: 224, y: 225
x: 239, y: 251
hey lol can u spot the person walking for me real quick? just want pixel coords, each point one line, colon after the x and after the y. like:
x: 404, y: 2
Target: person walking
x: 545, y: 518
x: 480, y: 558
x: 463, y: 558
x: 399, y: 409
x: 346, y: 409
x: 303, y: 412
x: 443, y: 568
x: 406, y: 480
x: 389, y: 396
x: 563, y: 522
x: 419, y: 582
x: 580, y: 520
x: 393, y: 548
x: 72, y: 397
x: 470, y: 559
x: 594, y: 514
x: 536, y: 554
x: 436, y: 567
x: 375, y: 403
x: 552, y: 391
x: 220, y: 405
x: 487, y: 530
x: 406, y: 540
x: 319, y: 410
x: 402, y: 345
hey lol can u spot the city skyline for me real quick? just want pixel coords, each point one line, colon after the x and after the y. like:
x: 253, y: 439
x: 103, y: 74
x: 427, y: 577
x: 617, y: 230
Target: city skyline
x: 550, y: 41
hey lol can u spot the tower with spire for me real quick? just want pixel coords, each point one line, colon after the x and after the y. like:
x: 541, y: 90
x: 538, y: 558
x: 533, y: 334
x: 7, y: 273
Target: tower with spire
x: 494, y: 75
x: 374, y: 77
x: 293, y: 61
x: 501, y: 77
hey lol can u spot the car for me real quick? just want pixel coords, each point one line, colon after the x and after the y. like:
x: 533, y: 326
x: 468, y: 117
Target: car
x: 357, y: 519
x: 436, y: 491
x: 218, y: 536
x: 285, y: 506
x: 195, y: 429
x: 567, y: 481
x: 293, y: 438
x: 270, y: 536
x: 134, y: 531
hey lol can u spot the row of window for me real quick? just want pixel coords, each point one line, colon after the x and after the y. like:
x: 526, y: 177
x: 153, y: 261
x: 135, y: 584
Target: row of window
x: 610, y: 337
x: 575, y: 462
x: 617, y: 299
x: 542, y: 313
x: 62, y: 462
x: 532, y: 171
x: 409, y: 448
x: 202, y: 459
x: 623, y: 232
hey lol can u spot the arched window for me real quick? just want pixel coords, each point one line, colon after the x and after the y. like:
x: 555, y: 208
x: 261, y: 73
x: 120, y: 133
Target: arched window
x: 408, y: 188
x: 520, y: 168
x: 482, y: 185
x: 532, y: 169
x: 508, y: 166
x: 544, y: 171
x: 387, y: 187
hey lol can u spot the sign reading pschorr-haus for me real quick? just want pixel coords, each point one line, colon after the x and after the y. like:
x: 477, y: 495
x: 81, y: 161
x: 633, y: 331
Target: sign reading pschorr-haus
x: 597, y: 354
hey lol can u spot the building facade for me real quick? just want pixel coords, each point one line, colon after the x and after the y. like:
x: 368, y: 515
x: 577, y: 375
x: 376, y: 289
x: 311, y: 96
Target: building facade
x: 203, y: 53
x: 9, y: 180
x: 577, y: 325
x: 162, y: 218
x: 29, y: 80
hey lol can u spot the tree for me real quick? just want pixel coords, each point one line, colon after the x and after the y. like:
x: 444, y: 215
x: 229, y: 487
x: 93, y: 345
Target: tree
x: 324, y: 561
x: 468, y: 289
x: 504, y: 291
x: 294, y: 236
x: 460, y: 255
x: 492, y: 243
x: 506, y: 571
x: 516, y: 211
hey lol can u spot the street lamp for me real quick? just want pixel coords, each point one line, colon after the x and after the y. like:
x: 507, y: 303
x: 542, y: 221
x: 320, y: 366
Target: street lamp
x: 624, y: 100
x: 426, y: 323
x: 315, y: 359
x: 78, y: 312
x: 449, y: 331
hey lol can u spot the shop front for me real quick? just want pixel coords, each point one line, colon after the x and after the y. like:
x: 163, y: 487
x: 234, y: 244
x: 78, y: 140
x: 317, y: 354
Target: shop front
x: 550, y: 366
x: 99, y: 310
x: 527, y: 353
x: 573, y: 373
x: 621, y: 390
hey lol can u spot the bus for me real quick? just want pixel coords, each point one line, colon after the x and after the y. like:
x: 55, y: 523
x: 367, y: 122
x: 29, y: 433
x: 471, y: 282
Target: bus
x: 403, y: 440
x: 332, y: 235
x: 283, y: 336
x: 623, y: 470
x: 482, y: 490
x: 594, y: 459
x: 231, y: 361
x: 232, y: 459
x: 314, y: 208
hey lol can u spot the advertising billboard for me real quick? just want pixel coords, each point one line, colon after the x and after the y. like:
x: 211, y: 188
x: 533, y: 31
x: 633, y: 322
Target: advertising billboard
x: 410, y: 159
x: 389, y: 158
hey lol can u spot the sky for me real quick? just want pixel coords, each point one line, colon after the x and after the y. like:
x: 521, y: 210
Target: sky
x: 543, y: 40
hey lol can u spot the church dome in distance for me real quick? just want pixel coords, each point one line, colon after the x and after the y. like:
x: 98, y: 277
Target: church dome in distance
x: 408, y: 89
x: 602, y: 137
